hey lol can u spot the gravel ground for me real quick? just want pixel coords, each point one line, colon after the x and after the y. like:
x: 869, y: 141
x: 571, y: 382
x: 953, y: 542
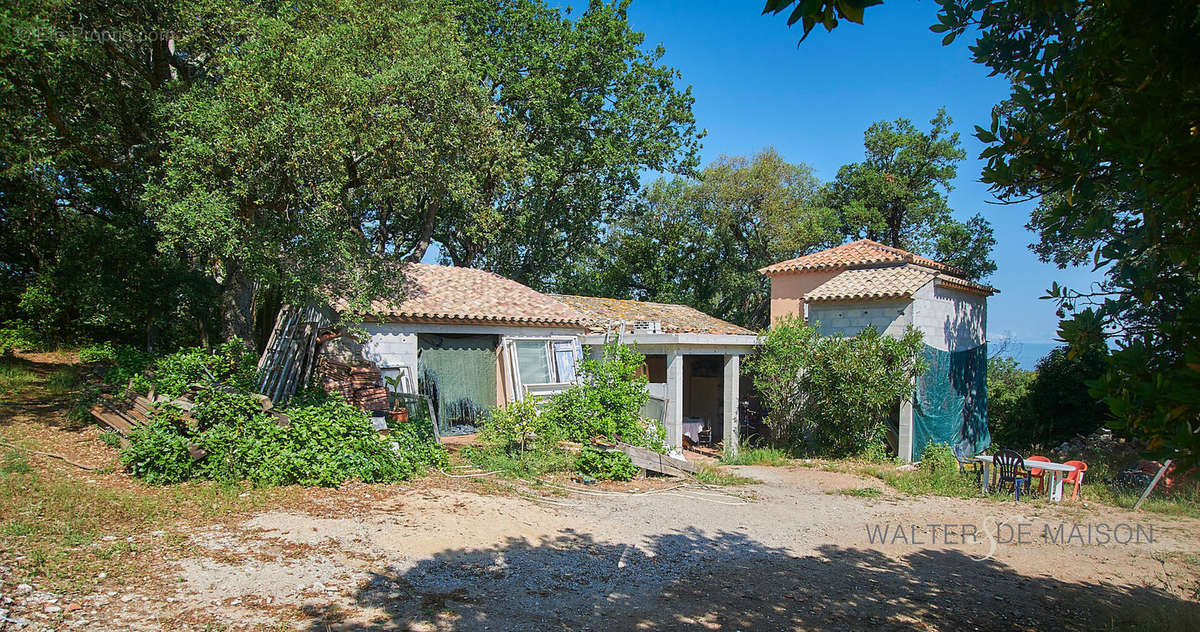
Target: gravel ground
x: 790, y: 553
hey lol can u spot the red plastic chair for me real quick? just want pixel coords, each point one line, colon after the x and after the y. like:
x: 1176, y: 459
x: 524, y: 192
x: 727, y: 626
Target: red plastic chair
x: 1076, y: 477
x: 1038, y: 473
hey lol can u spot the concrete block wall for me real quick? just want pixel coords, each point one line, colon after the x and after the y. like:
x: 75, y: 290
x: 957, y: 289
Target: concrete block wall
x: 390, y: 346
x: 849, y: 318
x: 951, y: 320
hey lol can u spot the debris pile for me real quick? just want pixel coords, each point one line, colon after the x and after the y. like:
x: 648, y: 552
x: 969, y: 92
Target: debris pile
x: 359, y: 384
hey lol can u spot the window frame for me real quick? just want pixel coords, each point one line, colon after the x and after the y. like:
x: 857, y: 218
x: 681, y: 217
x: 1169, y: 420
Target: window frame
x: 517, y: 387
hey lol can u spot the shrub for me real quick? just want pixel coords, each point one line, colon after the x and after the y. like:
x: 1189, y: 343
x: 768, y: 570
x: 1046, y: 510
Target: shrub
x: 606, y: 401
x: 1008, y: 401
x: 230, y: 363
x: 324, y: 444
x: 833, y: 395
x: 1059, y: 399
x: 608, y: 466
x: 100, y: 353
x: 519, y: 441
x: 516, y: 427
x: 158, y: 452
x: 939, y: 458
x: 17, y: 335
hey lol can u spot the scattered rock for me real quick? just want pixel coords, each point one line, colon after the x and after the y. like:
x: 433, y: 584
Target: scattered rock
x: 52, y: 609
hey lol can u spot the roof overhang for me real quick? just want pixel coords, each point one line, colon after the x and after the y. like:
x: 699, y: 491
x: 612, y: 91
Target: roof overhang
x: 727, y: 344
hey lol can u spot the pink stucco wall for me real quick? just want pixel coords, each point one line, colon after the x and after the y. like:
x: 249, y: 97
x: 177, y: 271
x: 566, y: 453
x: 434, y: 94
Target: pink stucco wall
x: 788, y: 290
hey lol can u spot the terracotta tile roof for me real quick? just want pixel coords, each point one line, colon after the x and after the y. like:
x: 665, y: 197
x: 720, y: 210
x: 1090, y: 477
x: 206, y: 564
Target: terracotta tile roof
x: 675, y: 319
x: 873, y: 283
x: 863, y: 252
x: 467, y: 295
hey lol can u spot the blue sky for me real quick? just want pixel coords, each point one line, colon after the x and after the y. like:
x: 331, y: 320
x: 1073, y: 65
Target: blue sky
x: 755, y: 87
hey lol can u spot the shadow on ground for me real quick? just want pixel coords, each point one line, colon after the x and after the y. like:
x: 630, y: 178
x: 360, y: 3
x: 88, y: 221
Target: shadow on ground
x: 31, y: 401
x: 691, y: 581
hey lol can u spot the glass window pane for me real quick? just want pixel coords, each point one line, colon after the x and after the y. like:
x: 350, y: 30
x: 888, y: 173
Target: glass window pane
x: 564, y: 360
x: 532, y: 362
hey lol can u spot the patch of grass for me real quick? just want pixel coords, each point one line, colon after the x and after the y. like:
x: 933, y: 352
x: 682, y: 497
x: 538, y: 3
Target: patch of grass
x: 111, y: 438
x: 15, y: 463
x: 861, y: 492
x: 14, y: 378
x: 712, y: 475
x: 64, y: 380
x: 757, y: 456
x: 524, y: 465
x: 58, y: 521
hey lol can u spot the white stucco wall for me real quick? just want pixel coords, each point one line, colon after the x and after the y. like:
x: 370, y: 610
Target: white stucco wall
x: 951, y: 320
x: 850, y: 318
x: 395, y: 344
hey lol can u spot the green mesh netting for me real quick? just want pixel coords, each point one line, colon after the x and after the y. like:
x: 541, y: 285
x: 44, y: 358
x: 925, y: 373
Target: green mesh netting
x: 458, y: 374
x: 951, y: 402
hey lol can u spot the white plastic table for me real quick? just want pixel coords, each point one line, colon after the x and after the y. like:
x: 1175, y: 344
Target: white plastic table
x: 1056, y: 471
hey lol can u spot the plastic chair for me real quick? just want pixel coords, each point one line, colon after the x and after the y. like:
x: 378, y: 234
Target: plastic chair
x: 968, y: 466
x: 1010, y: 468
x: 1038, y: 473
x: 1075, y: 478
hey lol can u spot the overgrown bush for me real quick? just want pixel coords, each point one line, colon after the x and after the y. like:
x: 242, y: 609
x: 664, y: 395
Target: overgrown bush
x: 1008, y: 401
x: 606, y: 401
x: 17, y: 335
x: 158, y: 451
x: 833, y: 395
x: 607, y: 466
x: 231, y: 363
x: 517, y: 427
x: 325, y: 443
x: 519, y: 441
x: 1048, y: 405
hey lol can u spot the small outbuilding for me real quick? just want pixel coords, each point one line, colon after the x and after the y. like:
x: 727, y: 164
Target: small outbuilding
x: 844, y: 290
x: 472, y: 340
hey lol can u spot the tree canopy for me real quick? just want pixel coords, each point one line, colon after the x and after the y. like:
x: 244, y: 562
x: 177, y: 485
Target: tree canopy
x: 897, y: 195
x: 231, y: 154
x: 701, y: 241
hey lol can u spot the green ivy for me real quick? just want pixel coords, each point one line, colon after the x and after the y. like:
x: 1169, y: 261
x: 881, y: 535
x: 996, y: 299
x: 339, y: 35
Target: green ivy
x: 323, y: 444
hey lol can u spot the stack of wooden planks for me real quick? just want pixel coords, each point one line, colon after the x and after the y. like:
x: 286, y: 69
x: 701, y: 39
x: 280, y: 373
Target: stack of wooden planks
x: 125, y: 415
x: 135, y: 411
x: 287, y: 361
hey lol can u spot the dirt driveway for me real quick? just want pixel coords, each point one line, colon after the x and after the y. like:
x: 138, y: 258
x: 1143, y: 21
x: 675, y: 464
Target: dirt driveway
x: 792, y: 553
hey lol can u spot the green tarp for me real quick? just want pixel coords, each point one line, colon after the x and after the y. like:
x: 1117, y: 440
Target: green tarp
x: 458, y: 374
x: 951, y: 402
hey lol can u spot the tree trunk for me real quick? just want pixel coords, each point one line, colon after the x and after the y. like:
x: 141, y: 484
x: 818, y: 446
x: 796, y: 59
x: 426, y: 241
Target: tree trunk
x: 426, y: 235
x: 237, y: 305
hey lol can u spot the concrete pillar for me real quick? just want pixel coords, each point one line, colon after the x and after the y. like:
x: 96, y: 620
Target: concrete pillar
x: 673, y: 419
x: 904, y: 449
x: 731, y: 383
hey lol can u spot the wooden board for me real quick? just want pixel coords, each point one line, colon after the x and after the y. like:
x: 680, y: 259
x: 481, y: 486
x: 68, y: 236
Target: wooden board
x: 111, y: 419
x: 653, y: 461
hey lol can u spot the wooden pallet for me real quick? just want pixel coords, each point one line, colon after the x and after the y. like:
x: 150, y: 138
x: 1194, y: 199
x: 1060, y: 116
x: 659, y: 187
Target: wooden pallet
x: 655, y: 462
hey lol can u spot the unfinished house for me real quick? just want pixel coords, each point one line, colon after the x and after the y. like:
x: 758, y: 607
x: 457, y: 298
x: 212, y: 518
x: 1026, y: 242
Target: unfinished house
x: 864, y: 283
x: 472, y: 339
x: 692, y: 362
